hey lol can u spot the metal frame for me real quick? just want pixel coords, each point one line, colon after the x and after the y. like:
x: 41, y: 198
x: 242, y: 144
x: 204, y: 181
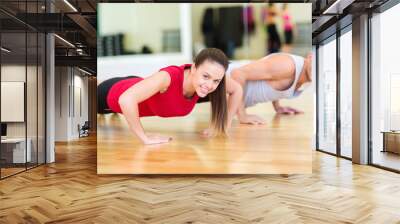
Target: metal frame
x: 25, y: 89
x: 369, y: 81
x: 0, y: 94
x: 338, y: 98
x: 37, y: 92
x: 45, y: 91
x: 385, y: 168
x: 316, y: 97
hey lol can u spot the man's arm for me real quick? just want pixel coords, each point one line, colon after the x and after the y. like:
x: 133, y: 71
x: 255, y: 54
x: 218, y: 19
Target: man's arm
x: 241, y: 77
x: 276, y: 104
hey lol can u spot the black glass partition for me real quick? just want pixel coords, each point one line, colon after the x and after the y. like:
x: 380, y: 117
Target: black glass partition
x: 22, y: 77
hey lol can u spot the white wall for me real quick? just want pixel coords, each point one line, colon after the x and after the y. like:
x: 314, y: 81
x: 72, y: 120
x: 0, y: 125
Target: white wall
x: 14, y: 73
x: 143, y: 64
x: 12, y: 101
x: 68, y: 80
x: 142, y: 23
x: 33, y: 127
x: 138, y: 65
x: 62, y: 81
x: 80, y: 84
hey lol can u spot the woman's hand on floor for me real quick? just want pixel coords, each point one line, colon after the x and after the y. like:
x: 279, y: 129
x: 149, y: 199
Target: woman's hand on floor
x: 156, y: 139
x: 287, y: 110
x: 208, y: 133
x: 251, y: 119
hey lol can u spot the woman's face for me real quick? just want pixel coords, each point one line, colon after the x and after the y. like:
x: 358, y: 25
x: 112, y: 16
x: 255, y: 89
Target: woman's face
x: 207, y: 76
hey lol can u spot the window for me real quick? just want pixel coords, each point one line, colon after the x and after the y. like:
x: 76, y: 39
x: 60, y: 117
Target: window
x: 23, y: 77
x: 346, y: 93
x: 385, y: 89
x: 327, y: 96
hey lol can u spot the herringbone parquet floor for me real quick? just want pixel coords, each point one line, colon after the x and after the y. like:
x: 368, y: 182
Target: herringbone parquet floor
x: 70, y: 191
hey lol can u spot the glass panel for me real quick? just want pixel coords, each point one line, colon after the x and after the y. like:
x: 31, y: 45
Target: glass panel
x: 31, y: 85
x: 41, y: 98
x: 22, y: 88
x: 327, y: 96
x: 386, y: 89
x: 346, y: 93
x: 13, y: 72
x: 31, y: 98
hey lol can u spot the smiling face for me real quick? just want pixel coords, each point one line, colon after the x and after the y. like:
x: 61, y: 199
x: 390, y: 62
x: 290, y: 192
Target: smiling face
x: 206, y: 77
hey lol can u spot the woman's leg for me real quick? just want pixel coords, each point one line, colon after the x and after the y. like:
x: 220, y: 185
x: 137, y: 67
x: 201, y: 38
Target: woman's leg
x: 102, y: 92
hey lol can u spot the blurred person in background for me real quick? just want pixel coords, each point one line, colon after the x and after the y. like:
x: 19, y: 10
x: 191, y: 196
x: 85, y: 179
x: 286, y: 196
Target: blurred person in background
x: 269, y: 15
x: 288, y: 28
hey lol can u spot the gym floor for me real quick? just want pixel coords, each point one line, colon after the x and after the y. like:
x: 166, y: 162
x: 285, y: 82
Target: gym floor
x: 282, y: 145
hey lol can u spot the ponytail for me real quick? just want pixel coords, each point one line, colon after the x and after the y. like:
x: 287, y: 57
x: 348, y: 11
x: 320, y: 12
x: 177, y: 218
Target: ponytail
x: 219, y: 109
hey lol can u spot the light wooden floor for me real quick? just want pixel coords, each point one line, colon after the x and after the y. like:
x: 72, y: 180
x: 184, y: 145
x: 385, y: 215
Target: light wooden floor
x: 282, y: 146
x: 70, y: 191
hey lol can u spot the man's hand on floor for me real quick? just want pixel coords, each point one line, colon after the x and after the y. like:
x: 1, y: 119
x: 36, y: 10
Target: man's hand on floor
x: 288, y: 110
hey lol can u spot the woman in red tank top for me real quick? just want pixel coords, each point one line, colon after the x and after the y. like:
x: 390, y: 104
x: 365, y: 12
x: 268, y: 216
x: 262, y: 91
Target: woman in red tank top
x: 173, y: 91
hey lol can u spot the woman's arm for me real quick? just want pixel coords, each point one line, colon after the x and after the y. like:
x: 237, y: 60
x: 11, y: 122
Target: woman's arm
x: 130, y: 99
x: 235, y: 92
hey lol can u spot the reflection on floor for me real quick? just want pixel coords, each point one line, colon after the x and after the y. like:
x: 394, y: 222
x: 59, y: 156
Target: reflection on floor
x: 10, y: 171
x: 12, y: 168
x: 283, y: 145
x: 386, y: 159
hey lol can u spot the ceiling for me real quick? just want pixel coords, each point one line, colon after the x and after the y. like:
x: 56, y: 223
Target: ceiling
x: 73, y: 20
x: 330, y: 15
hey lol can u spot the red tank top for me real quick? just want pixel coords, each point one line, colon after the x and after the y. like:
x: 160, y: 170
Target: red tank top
x: 171, y: 103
